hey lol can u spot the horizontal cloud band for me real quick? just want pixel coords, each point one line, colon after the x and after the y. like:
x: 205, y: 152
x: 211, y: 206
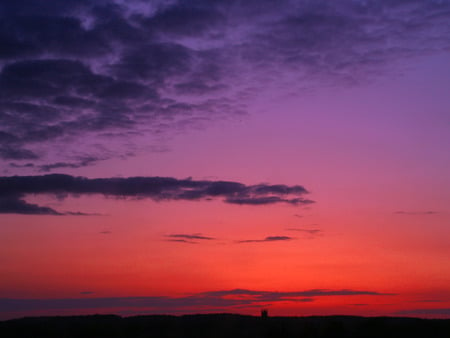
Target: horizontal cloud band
x: 14, y: 188
x: 221, y: 299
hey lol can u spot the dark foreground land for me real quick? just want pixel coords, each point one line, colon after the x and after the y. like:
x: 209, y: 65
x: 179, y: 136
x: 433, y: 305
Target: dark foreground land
x: 223, y: 325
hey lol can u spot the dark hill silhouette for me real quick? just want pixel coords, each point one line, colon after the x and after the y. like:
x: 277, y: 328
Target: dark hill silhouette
x: 222, y: 326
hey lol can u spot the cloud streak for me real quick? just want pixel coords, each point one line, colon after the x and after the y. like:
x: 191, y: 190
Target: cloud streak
x: 432, y: 311
x: 224, y: 299
x: 14, y: 205
x: 274, y: 295
x: 312, y: 232
x: 188, y: 238
x: 308, y: 233
x: 14, y: 188
x: 416, y: 212
x: 268, y: 239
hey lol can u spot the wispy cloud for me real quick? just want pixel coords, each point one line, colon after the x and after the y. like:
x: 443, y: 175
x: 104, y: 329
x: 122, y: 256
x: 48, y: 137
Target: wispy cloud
x: 434, y: 311
x: 416, y: 212
x: 14, y: 205
x: 429, y: 301
x: 182, y: 241
x: 14, y: 188
x: 188, y: 238
x: 267, y: 239
x: 81, y: 162
x: 193, y: 236
x: 312, y: 232
x: 223, y: 299
x: 305, y: 293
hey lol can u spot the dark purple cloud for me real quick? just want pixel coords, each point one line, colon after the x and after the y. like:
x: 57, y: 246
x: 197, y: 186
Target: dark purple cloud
x: 225, y: 300
x: 15, y: 205
x: 14, y: 188
x: 76, y: 74
x: 10, y: 152
x: 420, y: 312
x: 416, y: 212
x: 190, y: 236
x: 268, y: 239
x: 283, y: 295
x: 81, y: 162
x: 182, y: 241
x: 26, y: 165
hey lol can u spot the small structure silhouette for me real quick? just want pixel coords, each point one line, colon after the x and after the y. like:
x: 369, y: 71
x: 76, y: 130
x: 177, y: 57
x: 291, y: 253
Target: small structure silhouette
x: 264, y: 313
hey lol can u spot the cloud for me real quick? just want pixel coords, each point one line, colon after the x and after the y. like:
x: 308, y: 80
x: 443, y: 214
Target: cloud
x: 79, y: 213
x: 15, y: 205
x: 267, y: 239
x: 82, y: 162
x: 274, y: 295
x: 26, y: 165
x: 265, y: 200
x: 310, y: 233
x: 437, y: 311
x: 181, y: 241
x: 191, y: 237
x: 14, y: 188
x: 188, y: 238
x: 87, y: 69
x: 416, y: 212
x: 8, y: 152
x: 224, y: 299
x: 78, y: 74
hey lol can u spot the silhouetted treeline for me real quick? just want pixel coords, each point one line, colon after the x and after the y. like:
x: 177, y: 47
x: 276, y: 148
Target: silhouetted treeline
x: 223, y: 326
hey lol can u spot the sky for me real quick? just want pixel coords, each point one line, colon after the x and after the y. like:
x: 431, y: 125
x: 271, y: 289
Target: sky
x: 202, y: 156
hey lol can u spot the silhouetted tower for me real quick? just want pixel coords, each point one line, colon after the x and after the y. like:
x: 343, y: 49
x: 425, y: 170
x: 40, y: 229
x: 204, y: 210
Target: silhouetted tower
x: 264, y: 313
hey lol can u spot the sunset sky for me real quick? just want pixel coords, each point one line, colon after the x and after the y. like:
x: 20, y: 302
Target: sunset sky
x: 198, y: 156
